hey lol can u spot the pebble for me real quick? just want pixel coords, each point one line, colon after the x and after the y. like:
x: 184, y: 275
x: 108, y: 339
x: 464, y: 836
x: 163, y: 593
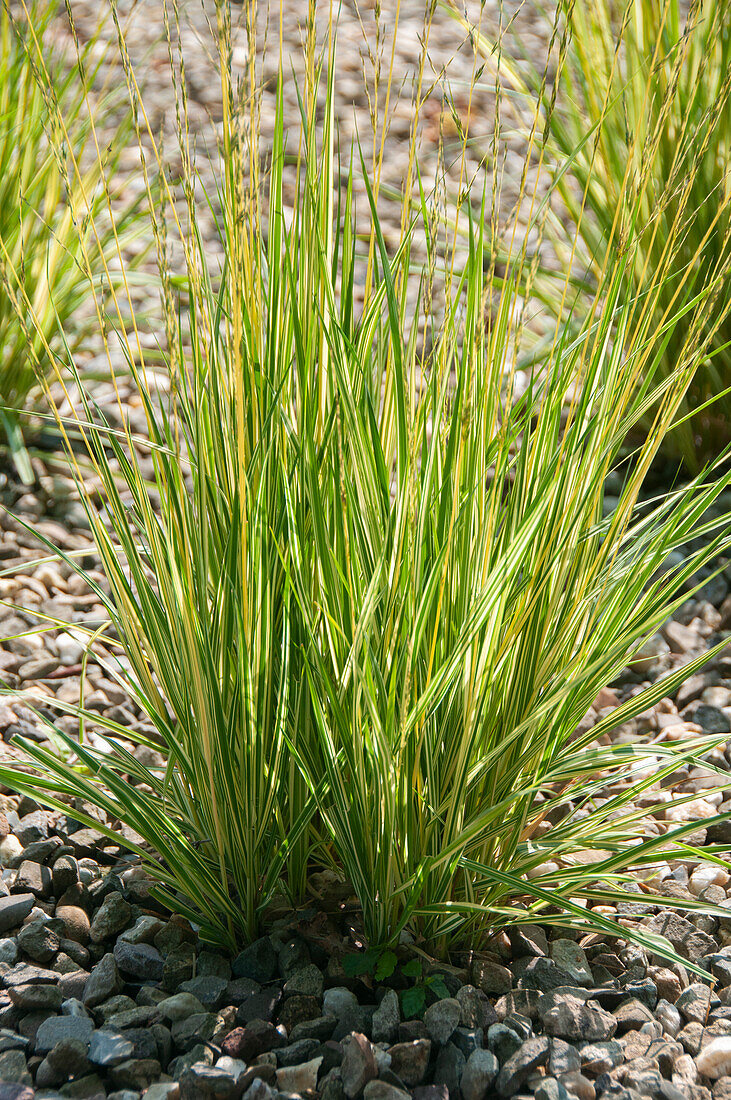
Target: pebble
x: 442, y: 1018
x: 479, y: 1075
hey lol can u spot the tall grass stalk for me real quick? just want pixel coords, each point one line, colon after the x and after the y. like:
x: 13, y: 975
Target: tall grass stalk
x: 644, y: 123
x: 379, y: 592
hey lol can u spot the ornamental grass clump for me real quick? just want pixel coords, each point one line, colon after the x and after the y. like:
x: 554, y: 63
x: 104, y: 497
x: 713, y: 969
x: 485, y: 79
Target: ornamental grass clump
x: 42, y: 246
x: 368, y: 590
x: 644, y: 122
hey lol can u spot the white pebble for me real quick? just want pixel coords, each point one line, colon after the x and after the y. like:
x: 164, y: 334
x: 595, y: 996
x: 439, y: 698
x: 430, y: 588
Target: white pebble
x: 696, y: 810
x: 10, y: 847
x: 707, y: 875
x: 715, y: 1059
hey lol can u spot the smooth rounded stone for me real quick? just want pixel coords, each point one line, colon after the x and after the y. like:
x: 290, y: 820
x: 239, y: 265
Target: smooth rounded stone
x: 301, y: 1078
x: 58, y: 1028
x: 599, y: 1058
x: 579, y: 1086
x: 568, y: 1017
x: 8, y: 952
x: 570, y: 958
x: 492, y: 977
x: 442, y: 1018
x: 180, y: 1006
x: 386, y: 1018
x: 502, y: 1041
x: 13, y: 1067
x: 111, y: 918
x: 358, y: 1066
x: 669, y: 1017
x: 529, y: 1057
x: 31, y: 998
x: 76, y: 922
x: 339, y: 1001
x: 707, y: 875
x: 109, y: 1048
x: 203, y: 1082
x: 258, y: 961
x: 381, y: 1090
x: 307, y: 981
x: 233, y: 1066
x: 694, y: 1003
x: 64, y: 874
x: 14, y: 909
x: 139, y: 960
x: 103, y: 982
x: 449, y: 1067
x: 714, y: 1059
x: 479, y: 1075
x: 475, y: 1008
x: 208, y: 989
x: 10, y: 849
x: 409, y: 1061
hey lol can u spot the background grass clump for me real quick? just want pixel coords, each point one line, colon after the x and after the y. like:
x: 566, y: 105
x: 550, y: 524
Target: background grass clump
x: 45, y: 254
x: 646, y: 107
x: 370, y: 591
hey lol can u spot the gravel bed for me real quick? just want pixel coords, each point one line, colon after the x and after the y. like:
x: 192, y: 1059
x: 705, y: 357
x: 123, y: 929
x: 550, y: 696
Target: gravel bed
x: 104, y: 995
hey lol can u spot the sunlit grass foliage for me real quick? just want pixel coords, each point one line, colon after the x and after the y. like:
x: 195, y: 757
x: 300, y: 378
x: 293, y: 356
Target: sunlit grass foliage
x: 380, y: 592
x: 44, y: 281
x: 644, y: 124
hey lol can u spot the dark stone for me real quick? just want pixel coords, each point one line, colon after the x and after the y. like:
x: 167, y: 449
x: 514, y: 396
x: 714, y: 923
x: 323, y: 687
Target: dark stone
x: 109, y: 1048
x: 529, y: 1057
x: 449, y: 1068
x: 295, y: 1010
x: 58, y: 1028
x: 260, y: 1006
x: 14, y: 909
x: 103, y: 982
x: 258, y: 961
x: 139, y: 960
x: 247, y: 1043
x: 409, y: 1061
x: 179, y: 966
